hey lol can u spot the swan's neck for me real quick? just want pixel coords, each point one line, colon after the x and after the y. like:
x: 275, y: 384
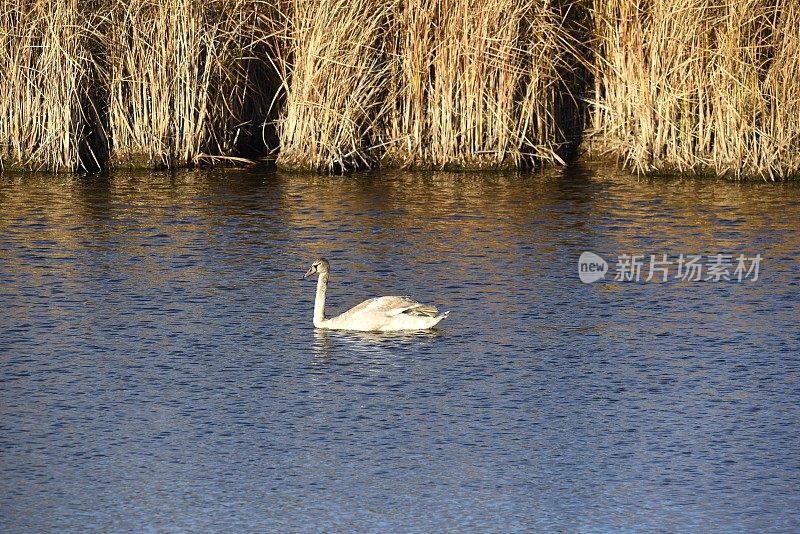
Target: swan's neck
x: 319, y: 302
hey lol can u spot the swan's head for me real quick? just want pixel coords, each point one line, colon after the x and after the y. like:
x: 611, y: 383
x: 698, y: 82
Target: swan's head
x: 320, y: 266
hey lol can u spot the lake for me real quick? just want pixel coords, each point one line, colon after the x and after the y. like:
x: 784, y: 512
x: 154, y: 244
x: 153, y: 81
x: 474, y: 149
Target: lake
x: 160, y: 372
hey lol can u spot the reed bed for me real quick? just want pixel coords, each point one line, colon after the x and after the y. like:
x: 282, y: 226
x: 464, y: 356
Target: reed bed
x: 337, y: 73
x: 142, y: 83
x: 46, y: 75
x: 340, y: 85
x: 476, y: 85
x: 187, y: 80
x: 700, y: 85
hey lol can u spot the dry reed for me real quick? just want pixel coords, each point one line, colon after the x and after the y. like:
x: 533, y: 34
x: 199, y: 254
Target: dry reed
x: 475, y: 84
x: 336, y: 71
x: 700, y: 85
x: 151, y: 83
x: 680, y: 85
x: 46, y: 73
x: 187, y: 80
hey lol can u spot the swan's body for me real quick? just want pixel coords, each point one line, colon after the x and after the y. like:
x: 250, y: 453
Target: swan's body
x: 380, y: 314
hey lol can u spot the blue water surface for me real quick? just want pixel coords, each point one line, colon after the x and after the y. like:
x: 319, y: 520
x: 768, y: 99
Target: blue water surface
x: 160, y: 373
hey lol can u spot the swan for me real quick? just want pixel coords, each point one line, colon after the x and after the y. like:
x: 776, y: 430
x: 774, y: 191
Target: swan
x: 380, y: 314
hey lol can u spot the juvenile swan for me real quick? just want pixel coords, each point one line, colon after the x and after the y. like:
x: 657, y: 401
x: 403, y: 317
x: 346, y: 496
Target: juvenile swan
x: 381, y: 314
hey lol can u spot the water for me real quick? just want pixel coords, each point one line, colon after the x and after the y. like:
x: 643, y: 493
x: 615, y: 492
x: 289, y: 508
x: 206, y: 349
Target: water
x: 160, y: 372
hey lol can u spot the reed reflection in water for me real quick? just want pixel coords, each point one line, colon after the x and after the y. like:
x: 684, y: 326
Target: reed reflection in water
x: 160, y: 370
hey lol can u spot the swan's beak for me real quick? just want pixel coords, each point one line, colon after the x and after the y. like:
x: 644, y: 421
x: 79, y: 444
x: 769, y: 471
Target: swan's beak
x: 309, y: 272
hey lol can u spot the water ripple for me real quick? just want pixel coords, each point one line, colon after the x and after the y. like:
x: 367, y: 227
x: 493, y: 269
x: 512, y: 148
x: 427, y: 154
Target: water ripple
x: 159, y: 371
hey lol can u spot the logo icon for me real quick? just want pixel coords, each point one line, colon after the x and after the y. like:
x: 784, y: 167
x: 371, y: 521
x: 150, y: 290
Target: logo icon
x: 591, y: 267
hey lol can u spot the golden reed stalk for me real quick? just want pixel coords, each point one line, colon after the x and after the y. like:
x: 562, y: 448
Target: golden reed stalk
x: 144, y: 83
x: 187, y: 80
x: 474, y: 85
x: 45, y: 80
x: 337, y: 74
x: 706, y: 86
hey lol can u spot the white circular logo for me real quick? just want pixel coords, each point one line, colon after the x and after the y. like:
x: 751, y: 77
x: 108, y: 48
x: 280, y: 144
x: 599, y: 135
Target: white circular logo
x: 591, y: 267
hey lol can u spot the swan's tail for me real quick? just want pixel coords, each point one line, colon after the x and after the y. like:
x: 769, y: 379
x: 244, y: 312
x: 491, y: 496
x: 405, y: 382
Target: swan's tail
x: 423, y: 310
x: 438, y: 318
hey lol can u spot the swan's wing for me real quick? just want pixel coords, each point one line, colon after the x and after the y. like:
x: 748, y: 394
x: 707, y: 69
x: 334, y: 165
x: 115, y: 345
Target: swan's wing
x: 391, y: 306
x: 368, y: 304
x: 422, y: 310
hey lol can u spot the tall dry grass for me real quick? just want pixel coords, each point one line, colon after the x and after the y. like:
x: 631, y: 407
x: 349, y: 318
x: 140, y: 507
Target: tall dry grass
x: 476, y: 84
x: 46, y: 73
x: 187, y: 81
x: 152, y: 83
x: 336, y: 72
x: 700, y: 85
x: 338, y: 85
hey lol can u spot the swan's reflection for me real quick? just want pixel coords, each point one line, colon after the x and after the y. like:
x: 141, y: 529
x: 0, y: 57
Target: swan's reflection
x: 371, y: 345
x: 322, y: 345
